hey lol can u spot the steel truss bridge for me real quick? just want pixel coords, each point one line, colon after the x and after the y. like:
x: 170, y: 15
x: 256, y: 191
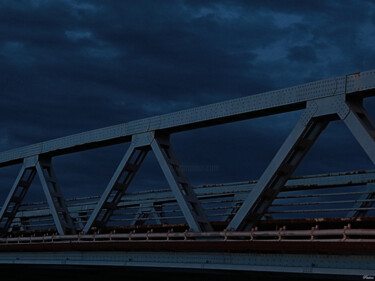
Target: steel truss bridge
x: 317, y: 225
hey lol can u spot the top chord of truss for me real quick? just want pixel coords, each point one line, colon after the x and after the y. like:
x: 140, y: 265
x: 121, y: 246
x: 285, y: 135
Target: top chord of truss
x: 360, y: 84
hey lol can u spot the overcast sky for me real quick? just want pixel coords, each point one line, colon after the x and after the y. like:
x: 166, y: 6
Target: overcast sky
x: 71, y: 66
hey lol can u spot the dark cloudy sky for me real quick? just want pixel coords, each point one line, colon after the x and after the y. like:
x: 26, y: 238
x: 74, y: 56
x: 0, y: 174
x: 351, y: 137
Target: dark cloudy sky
x: 71, y: 66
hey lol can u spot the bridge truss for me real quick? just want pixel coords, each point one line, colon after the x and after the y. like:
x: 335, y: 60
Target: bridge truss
x: 276, y: 213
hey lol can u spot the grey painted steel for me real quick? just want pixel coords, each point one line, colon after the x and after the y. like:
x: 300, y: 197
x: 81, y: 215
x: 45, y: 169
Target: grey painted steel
x: 295, y: 147
x: 15, y: 197
x: 149, y: 211
x: 179, y: 183
x: 239, y: 190
x: 365, y: 202
x: 57, y: 207
x: 331, y: 98
x: 279, y: 170
x: 284, y: 100
x: 308, y: 264
x: 116, y: 188
x: 125, y: 172
x: 362, y: 127
x: 55, y: 199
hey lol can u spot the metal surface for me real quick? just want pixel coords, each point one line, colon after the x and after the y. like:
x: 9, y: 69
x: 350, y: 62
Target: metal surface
x: 274, y: 224
x: 15, y: 197
x: 331, y: 265
x: 58, y: 209
x: 365, y: 201
x: 362, y: 127
x: 185, y: 196
x: 179, y: 183
x: 155, y: 206
x: 55, y: 199
x: 285, y: 100
x: 279, y: 170
x: 116, y: 188
x: 315, y: 118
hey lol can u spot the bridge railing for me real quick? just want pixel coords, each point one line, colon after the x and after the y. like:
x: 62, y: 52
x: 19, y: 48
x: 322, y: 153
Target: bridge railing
x: 349, y: 194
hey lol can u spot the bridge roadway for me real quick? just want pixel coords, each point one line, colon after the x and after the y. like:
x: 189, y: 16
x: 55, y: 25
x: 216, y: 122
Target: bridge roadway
x: 318, y: 225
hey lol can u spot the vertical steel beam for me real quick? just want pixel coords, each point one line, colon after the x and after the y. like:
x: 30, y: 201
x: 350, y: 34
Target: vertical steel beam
x: 179, y: 183
x: 16, y: 196
x: 280, y: 169
x: 117, y: 187
x: 55, y: 199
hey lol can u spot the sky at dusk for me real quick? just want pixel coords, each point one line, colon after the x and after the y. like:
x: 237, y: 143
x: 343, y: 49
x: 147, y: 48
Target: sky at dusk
x: 72, y: 66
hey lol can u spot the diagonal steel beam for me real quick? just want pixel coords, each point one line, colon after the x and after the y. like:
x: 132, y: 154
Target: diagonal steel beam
x: 16, y: 196
x: 364, y: 202
x: 280, y: 169
x: 179, y: 183
x: 126, y: 171
x: 42, y: 167
x: 117, y: 187
x: 55, y: 199
x: 361, y: 126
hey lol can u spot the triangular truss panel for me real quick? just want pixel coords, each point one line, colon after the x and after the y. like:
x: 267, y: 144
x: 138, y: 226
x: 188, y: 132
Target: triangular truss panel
x: 43, y: 168
x: 314, y: 120
x: 323, y: 101
x: 126, y: 171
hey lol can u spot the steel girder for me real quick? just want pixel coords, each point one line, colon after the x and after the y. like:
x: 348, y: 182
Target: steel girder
x: 323, y: 265
x: 279, y: 170
x: 364, y: 202
x: 117, y: 187
x: 323, y: 101
x: 313, y: 121
x: 362, y: 127
x: 178, y: 181
x: 285, y: 100
x: 151, y: 204
x: 43, y: 167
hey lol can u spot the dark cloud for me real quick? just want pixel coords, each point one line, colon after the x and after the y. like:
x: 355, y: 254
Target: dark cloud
x: 302, y: 54
x: 72, y: 66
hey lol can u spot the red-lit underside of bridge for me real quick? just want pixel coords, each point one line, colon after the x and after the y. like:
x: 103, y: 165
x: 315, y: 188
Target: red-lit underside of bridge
x: 323, y: 236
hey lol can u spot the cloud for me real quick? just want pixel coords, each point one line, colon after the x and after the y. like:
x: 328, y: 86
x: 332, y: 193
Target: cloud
x: 72, y: 66
x: 302, y: 54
